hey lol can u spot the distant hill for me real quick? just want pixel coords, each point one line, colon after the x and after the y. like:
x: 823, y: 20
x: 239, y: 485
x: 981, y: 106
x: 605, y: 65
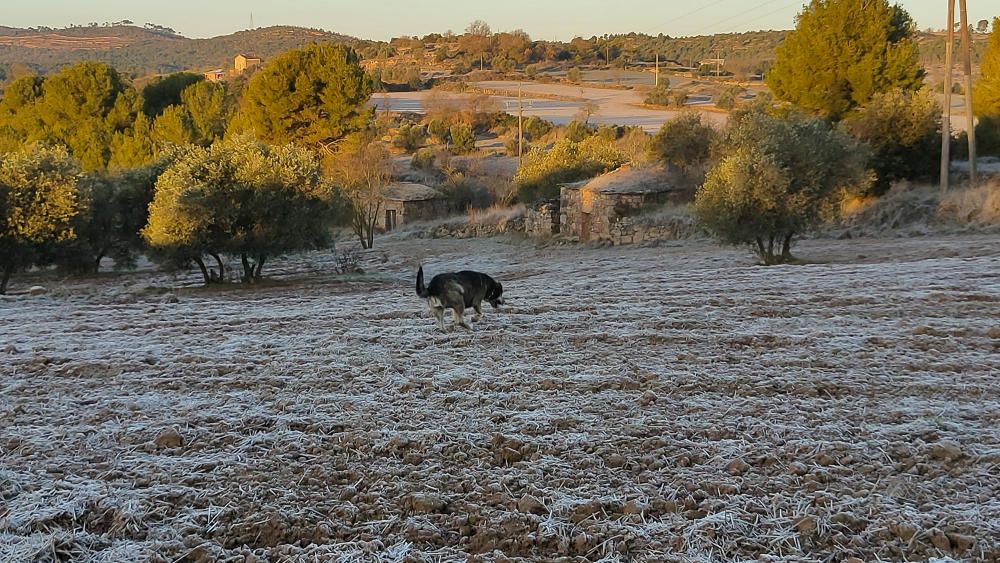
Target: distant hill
x: 142, y: 51
x: 153, y: 49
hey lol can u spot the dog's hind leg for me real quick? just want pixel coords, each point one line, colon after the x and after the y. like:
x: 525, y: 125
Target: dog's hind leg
x: 439, y: 315
x: 460, y: 317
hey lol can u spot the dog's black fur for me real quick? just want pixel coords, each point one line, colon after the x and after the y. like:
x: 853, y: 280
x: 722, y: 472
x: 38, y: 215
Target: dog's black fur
x: 458, y: 291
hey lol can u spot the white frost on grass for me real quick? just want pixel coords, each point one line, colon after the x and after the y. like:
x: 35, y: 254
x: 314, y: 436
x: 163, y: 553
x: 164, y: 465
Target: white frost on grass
x: 671, y: 403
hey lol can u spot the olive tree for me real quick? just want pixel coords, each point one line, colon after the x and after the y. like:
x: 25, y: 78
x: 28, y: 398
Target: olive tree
x: 238, y: 198
x: 773, y: 180
x: 39, y: 201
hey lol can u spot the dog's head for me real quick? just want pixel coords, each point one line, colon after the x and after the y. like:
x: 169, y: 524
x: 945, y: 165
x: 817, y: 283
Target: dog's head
x: 494, y: 294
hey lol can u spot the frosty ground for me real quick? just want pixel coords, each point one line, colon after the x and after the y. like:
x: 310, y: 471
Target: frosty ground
x: 628, y: 404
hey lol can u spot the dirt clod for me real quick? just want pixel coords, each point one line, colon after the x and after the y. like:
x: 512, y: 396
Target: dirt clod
x: 170, y: 438
x: 945, y: 450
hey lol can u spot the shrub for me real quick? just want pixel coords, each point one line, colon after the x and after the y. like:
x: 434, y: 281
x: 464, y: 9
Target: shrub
x: 462, y: 139
x: 610, y: 133
x: 684, y: 141
x: 463, y: 192
x: 729, y: 97
x: 658, y: 96
x: 535, y: 127
x: 574, y: 75
x: 409, y: 137
x: 903, y: 130
x: 510, y: 146
x: 987, y: 139
x: 439, y: 129
x: 423, y: 159
x: 577, y: 131
x: 679, y: 98
x: 542, y: 172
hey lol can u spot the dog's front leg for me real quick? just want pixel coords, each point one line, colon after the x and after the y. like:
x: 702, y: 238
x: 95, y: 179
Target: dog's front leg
x: 460, y: 318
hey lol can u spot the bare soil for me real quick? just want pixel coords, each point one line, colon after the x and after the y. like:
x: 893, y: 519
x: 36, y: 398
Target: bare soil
x: 674, y: 403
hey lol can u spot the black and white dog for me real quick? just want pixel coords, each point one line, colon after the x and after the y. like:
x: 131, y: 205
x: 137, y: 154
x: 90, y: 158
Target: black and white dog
x: 458, y: 291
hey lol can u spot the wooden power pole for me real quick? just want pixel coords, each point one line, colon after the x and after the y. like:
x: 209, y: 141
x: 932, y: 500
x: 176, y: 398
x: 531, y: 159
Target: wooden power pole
x: 970, y: 126
x: 946, y: 118
x: 656, y: 72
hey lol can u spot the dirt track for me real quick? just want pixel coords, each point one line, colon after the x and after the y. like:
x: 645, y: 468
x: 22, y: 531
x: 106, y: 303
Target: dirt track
x: 640, y: 404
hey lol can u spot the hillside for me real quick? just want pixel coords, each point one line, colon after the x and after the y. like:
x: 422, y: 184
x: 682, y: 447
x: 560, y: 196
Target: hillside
x: 153, y: 49
x: 141, y: 51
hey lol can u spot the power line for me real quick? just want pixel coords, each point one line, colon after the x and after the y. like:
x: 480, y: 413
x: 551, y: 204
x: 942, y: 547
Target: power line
x: 717, y: 23
x: 682, y: 16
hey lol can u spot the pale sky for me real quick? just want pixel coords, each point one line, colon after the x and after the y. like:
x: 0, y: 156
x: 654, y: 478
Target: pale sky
x: 383, y: 19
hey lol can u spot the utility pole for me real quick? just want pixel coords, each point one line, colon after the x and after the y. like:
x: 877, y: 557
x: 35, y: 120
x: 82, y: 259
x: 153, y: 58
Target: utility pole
x: 520, y: 129
x: 656, y: 73
x: 946, y: 118
x: 970, y: 127
x: 607, y: 54
x: 520, y: 122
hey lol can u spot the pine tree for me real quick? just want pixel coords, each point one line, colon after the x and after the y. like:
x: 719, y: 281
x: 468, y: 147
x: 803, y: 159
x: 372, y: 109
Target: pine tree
x: 312, y: 96
x: 843, y: 52
x: 986, y: 92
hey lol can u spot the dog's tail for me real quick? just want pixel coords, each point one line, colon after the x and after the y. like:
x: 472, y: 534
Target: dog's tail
x: 421, y: 289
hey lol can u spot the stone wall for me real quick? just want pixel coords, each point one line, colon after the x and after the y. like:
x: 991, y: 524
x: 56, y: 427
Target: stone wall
x: 595, y: 216
x: 628, y: 230
x: 410, y: 211
x: 543, y: 218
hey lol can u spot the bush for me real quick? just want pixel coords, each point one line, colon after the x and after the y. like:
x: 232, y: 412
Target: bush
x: 439, y: 129
x: 423, y: 159
x: 658, y: 96
x: 535, y: 127
x: 464, y: 193
x: 729, y: 97
x: 574, y: 75
x: 542, y: 172
x: 684, y: 141
x: 987, y: 139
x: 903, y: 129
x: 510, y: 146
x: 679, y: 98
x: 776, y: 179
x: 610, y: 133
x: 462, y: 139
x: 577, y: 131
x: 409, y: 137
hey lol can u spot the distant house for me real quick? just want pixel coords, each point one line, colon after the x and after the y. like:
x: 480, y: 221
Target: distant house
x: 405, y: 202
x: 215, y: 75
x: 597, y: 208
x: 243, y: 63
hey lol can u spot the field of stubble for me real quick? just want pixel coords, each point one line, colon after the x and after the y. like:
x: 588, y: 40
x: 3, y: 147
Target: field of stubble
x: 644, y: 404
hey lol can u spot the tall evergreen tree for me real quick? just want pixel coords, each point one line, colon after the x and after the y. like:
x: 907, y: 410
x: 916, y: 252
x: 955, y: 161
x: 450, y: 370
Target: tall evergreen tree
x: 842, y: 53
x: 986, y: 92
x: 312, y: 96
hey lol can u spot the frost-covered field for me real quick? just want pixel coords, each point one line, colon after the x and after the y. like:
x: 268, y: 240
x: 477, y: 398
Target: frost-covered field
x: 640, y: 404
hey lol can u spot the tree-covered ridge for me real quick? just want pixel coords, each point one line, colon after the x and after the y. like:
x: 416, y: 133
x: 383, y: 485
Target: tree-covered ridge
x: 153, y: 49
x: 155, y: 52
